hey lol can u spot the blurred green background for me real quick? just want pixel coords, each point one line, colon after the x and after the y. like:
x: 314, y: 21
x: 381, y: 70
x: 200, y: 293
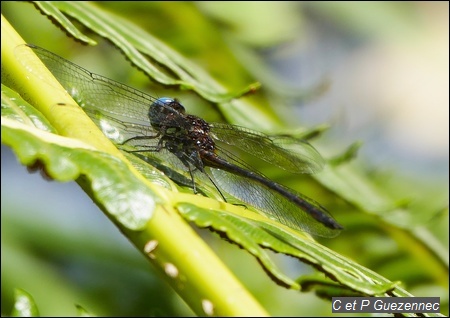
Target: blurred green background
x: 375, y: 72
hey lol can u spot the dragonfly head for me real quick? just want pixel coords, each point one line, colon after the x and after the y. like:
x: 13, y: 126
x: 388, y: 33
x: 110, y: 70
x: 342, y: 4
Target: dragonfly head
x: 167, y: 105
x: 165, y: 111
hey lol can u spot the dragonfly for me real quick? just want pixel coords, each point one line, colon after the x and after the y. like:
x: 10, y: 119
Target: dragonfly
x: 188, y: 143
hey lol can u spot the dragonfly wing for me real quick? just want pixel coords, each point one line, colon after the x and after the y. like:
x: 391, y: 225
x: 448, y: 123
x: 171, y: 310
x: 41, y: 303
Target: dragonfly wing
x: 286, y: 152
x: 92, y: 91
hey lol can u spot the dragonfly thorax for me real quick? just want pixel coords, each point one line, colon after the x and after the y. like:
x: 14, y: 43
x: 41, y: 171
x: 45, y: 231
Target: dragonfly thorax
x: 199, y: 134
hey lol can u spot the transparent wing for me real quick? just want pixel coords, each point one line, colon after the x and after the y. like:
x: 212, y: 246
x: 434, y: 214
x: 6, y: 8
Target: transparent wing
x: 286, y: 152
x: 94, y: 92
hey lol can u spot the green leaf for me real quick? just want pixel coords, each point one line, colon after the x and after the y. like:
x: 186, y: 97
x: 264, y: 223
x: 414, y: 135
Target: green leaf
x: 244, y: 232
x: 254, y: 234
x: 52, y: 11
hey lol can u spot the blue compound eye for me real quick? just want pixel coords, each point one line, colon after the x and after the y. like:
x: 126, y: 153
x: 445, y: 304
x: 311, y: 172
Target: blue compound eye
x: 165, y: 100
